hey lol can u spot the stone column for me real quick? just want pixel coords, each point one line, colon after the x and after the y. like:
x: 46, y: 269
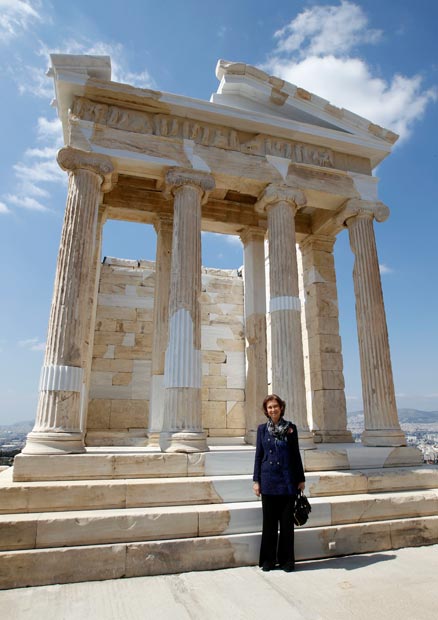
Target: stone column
x: 91, y: 312
x: 382, y: 427
x: 255, y: 330
x: 326, y: 378
x: 281, y: 204
x: 163, y: 227
x: 58, y: 422
x: 182, y: 427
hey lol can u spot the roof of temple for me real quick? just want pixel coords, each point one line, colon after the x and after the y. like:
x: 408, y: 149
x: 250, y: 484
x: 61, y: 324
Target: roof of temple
x: 247, y: 99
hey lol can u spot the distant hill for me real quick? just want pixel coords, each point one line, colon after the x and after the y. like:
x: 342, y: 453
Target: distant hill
x: 18, y: 427
x: 406, y: 416
x: 355, y: 418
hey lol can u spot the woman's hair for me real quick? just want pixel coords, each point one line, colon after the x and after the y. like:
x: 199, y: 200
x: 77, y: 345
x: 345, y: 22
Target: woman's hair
x: 279, y: 400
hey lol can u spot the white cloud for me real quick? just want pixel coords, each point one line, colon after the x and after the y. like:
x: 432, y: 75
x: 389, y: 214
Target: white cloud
x: 38, y: 168
x: 324, y: 30
x: 314, y: 52
x: 384, y: 269
x: 33, y: 344
x: 222, y: 31
x: 222, y: 238
x: 119, y: 62
x: 50, y: 129
x: 34, y: 80
x: 4, y: 209
x: 16, y: 16
x: 26, y: 202
x: 233, y: 240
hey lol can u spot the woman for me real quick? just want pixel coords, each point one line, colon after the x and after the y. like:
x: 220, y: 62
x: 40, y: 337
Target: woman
x: 278, y: 475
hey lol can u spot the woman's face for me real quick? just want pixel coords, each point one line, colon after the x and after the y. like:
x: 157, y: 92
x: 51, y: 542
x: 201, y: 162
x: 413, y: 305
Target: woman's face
x: 274, y: 410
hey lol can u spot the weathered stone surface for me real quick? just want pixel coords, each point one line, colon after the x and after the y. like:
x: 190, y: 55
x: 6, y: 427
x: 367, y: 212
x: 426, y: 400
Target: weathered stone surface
x: 46, y: 566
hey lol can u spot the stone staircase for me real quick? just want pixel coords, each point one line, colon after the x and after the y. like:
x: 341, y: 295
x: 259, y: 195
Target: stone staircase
x: 132, y: 513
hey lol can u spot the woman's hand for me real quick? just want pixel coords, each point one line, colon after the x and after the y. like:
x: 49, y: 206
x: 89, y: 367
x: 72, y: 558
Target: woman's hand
x: 256, y: 488
x: 301, y: 486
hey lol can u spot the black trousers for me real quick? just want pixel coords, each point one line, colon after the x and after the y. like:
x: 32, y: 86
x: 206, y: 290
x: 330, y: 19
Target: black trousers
x: 275, y: 547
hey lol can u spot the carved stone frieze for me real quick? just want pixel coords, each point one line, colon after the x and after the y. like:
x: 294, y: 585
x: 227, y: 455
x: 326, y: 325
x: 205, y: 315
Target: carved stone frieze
x: 206, y: 134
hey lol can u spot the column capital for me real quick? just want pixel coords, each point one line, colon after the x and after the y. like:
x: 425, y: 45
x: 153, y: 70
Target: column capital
x: 163, y: 221
x: 251, y: 233
x: 364, y: 209
x: 179, y: 177
x: 273, y: 194
x: 71, y: 160
x: 317, y: 242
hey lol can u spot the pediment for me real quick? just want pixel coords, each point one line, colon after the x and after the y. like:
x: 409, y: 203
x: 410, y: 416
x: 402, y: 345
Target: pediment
x: 245, y: 87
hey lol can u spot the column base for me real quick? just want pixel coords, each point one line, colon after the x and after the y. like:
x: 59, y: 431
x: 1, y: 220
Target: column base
x: 383, y: 437
x: 184, y: 441
x: 54, y: 443
x: 306, y: 440
x: 333, y: 437
x: 154, y: 439
x: 251, y: 437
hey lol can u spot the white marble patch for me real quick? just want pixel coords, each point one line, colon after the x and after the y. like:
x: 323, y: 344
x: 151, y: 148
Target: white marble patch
x: 129, y: 340
x: 109, y: 353
x: 131, y: 290
x: 156, y: 405
x: 286, y: 302
x: 65, y: 378
x: 229, y: 463
x: 210, y: 334
x: 124, y: 301
x: 197, y: 162
x: 281, y: 164
x: 367, y: 457
x: 366, y: 185
x: 244, y: 517
x: 313, y: 276
x: 234, y: 369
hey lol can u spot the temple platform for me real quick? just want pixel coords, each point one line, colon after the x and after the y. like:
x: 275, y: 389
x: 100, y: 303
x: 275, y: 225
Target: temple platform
x: 119, y: 512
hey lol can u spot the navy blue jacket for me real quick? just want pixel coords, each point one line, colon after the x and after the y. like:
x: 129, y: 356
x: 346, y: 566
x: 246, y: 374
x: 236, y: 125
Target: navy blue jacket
x: 278, y: 467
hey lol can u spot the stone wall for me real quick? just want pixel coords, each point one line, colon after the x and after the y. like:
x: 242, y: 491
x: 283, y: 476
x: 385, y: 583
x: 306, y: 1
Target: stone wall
x: 118, y: 407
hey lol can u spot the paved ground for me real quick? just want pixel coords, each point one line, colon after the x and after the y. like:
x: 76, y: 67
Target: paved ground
x: 393, y: 585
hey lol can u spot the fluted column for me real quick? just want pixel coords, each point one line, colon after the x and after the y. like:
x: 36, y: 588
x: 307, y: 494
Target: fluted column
x: 281, y: 204
x: 91, y: 312
x: 182, y: 426
x: 58, y: 424
x: 255, y: 330
x: 382, y: 426
x: 326, y: 378
x: 163, y: 227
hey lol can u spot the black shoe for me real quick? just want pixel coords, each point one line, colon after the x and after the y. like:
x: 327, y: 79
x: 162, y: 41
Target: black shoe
x: 289, y: 567
x: 267, y: 566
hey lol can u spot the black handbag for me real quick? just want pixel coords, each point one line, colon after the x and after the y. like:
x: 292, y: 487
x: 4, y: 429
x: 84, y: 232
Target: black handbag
x: 302, y: 509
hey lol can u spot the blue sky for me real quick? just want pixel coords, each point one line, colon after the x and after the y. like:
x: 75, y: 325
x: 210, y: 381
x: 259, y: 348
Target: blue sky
x: 378, y: 59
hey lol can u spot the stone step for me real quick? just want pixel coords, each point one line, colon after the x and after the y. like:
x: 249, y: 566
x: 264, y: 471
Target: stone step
x: 91, y: 527
x: 115, y: 463
x: 50, y: 496
x: 134, y: 559
x: 18, y: 497
x: 129, y: 493
x: 127, y: 463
